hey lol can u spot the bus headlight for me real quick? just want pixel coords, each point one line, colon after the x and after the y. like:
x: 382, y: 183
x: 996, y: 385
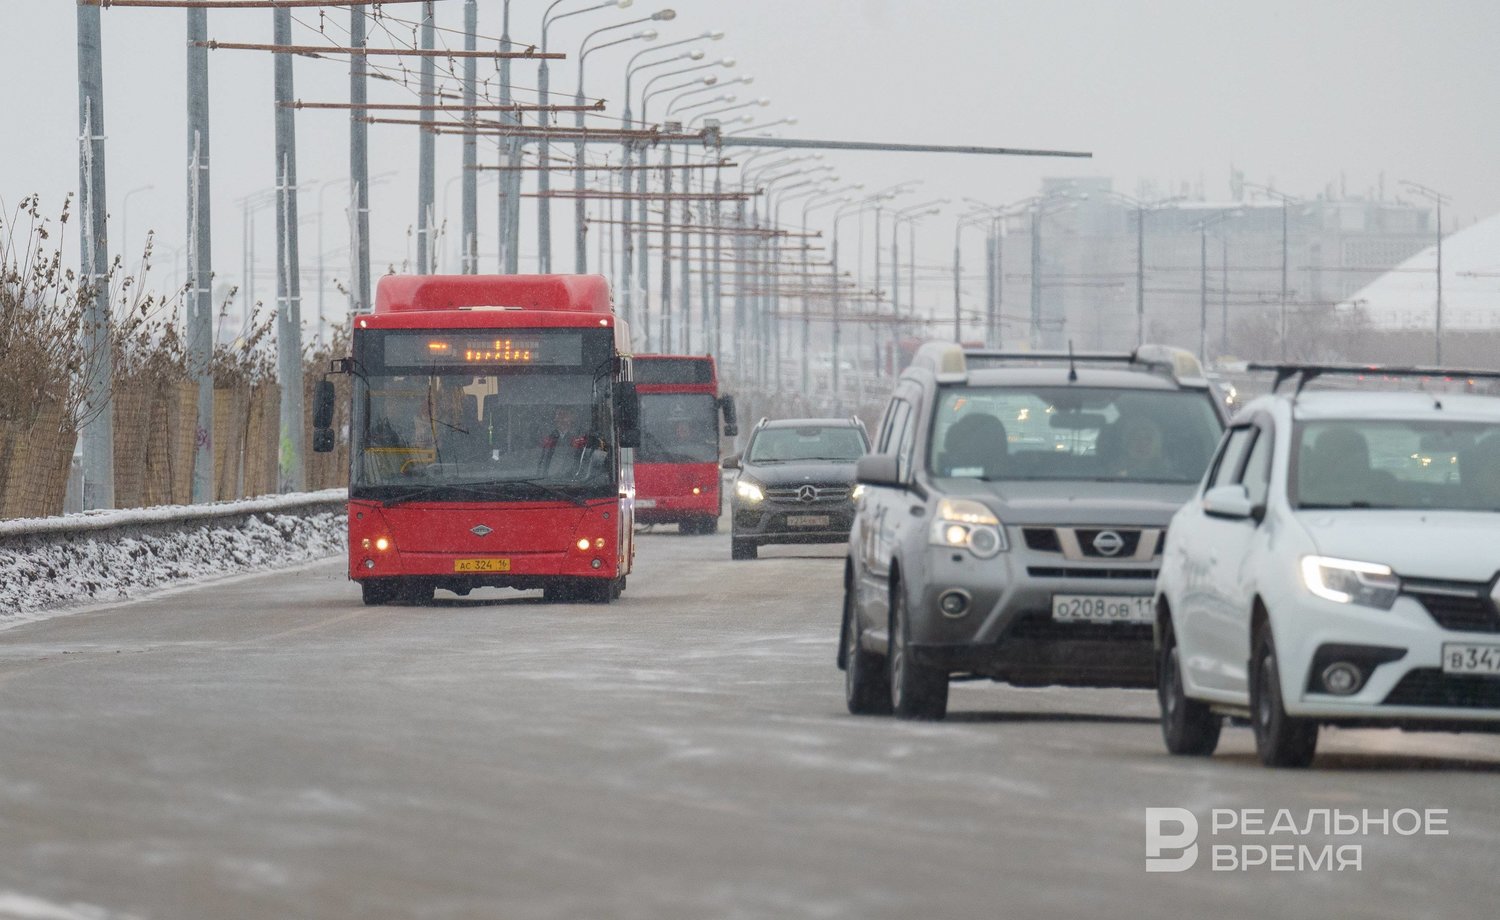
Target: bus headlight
x: 964, y: 524
x: 749, y: 490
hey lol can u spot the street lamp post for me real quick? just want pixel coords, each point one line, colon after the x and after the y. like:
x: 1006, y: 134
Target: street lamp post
x: 1203, y: 226
x: 1438, y: 199
x: 834, y: 196
x: 1286, y: 202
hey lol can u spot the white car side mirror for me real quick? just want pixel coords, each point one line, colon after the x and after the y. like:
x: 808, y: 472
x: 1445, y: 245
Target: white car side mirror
x: 1231, y: 502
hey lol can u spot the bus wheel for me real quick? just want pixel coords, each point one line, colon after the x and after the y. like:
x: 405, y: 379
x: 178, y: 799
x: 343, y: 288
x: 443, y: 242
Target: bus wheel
x: 618, y: 586
x: 377, y: 591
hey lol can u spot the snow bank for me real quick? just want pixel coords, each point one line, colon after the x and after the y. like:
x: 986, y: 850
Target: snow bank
x: 51, y: 563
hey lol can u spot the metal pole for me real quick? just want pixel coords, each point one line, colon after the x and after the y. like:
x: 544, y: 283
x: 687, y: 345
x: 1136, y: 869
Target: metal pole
x: 999, y: 281
x: 958, y: 230
x: 1283, y: 277
x: 718, y: 214
x: 1036, y: 277
x: 470, y: 181
x: 1203, y: 291
x: 580, y: 213
x: 666, y: 250
x: 543, y: 177
x: 707, y: 213
x: 1140, y: 275
x: 426, y: 149
x: 643, y: 250
x: 98, y: 433
x: 687, y: 260
x: 837, y: 298
x: 359, y: 169
x: 627, y: 236
x: 507, y: 193
x: 1224, y: 297
x: 911, y: 267
x: 200, y: 299
x: 288, y: 273
x: 1439, y: 324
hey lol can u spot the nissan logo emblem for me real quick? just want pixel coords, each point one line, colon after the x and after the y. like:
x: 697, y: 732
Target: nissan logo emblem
x: 1108, y: 543
x: 807, y: 494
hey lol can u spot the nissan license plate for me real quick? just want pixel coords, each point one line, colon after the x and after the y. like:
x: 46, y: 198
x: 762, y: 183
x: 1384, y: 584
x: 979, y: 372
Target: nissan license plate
x: 481, y: 565
x: 1101, y: 608
x: 1465, y: 658
x: 807, y: 520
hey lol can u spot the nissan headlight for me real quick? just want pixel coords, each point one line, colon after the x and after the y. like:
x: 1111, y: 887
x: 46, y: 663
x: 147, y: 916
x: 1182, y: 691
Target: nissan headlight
x: 1344, y: 581
x: 964, y: 524
x: 748, y: 490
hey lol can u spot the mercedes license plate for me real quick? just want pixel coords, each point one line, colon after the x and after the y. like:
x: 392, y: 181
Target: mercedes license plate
x: 807, y: 520
x: 1466, y: 658
x: 1101, y: 608
x: 481, y: 565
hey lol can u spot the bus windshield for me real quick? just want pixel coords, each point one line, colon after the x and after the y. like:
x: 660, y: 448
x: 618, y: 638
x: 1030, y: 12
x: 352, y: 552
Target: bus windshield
x: 492, y: 429
x: 679, y: 428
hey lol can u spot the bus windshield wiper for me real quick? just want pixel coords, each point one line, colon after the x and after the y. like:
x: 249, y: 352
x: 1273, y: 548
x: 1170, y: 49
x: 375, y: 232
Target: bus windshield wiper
x: 551, y: 490
x: 425, y: 488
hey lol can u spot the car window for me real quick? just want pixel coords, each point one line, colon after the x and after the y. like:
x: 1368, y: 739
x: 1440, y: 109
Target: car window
x: 812, y: 442
x: 1227, y: 467
x: 1397, y: 463
x: 899, y: 422
x: 1061, y: 433
x: 1257, y: 478
x: 888, y: 425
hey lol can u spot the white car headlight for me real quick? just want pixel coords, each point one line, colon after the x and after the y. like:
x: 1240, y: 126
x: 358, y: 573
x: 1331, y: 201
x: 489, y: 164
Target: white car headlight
x: 964, y: 524
x: 1345, y: 581
x: 749, y: 490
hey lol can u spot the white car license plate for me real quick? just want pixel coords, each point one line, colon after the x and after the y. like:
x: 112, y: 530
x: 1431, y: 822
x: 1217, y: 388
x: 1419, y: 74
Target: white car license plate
x: 645, y: 503
x: 1463, y: 658
x: 1101, y: 608
x: 807, y: 520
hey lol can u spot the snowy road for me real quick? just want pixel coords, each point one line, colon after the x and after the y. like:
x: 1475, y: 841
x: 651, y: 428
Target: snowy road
x: 268, y: 747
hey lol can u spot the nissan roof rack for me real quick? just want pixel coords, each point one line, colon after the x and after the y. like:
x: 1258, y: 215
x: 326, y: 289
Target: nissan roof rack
x: 1307, y: 373
x: 950, y: 362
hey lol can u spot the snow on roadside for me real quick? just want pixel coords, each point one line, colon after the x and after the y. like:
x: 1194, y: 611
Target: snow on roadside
x: 57, y: 568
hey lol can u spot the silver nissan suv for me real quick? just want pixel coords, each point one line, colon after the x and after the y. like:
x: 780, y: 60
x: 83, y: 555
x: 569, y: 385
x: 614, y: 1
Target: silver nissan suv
x: 1010, y: 519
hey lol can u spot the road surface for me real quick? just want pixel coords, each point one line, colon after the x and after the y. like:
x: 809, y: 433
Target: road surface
x: 268, y: 747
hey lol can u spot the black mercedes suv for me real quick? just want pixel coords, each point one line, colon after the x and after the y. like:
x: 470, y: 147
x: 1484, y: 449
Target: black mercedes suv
x: 795, y: 483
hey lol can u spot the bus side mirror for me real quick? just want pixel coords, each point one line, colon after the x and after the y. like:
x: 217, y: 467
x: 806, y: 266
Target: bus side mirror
x: 628, y: 413
x: 731, y: 421
x: 323, y: 398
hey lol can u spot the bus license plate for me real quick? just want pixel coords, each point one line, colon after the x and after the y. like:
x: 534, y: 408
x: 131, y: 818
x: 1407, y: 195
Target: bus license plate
x: 481, y: 565
x: 1101, y: 608
x: 807, y: 520
x: 1463, y: 658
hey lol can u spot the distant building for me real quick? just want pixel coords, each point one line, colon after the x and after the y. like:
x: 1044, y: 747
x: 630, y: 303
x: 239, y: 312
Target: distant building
x: 1211, y: 268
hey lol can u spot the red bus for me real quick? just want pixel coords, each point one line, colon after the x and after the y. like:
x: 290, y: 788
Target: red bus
x: 485, y: 438
x: 677, y: 462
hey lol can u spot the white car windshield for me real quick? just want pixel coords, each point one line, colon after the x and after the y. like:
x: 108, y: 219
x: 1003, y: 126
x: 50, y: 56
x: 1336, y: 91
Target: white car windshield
x: 1388, y: 463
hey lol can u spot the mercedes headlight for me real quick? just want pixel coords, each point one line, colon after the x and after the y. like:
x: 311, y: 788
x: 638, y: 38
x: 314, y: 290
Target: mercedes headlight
x: 964, y: 524
x: 748, y: 490
x: 1344, y: 581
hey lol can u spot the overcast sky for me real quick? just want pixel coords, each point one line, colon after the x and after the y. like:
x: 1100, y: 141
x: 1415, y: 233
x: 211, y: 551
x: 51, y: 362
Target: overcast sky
x: 1300, y: 93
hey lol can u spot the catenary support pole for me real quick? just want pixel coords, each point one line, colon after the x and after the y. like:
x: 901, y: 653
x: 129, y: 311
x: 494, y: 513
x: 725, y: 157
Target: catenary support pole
x: 199, y: 300
x: 470, y: 180
x: 359, y: 169
x: 288, y: 271
x: 426, y: 149
x: 98, y: 433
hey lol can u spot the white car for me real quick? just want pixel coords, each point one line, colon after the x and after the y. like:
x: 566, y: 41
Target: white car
x: 1338, y: 565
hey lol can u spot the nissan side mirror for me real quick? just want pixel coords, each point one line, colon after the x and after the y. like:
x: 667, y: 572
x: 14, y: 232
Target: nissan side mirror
x: 731, y: 462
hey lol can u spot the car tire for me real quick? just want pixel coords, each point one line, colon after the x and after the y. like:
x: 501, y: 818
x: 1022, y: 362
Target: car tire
x: 1280, y: 740
x: 917, y: 691
x: 867, y: 689
x: 377, y: 591
x: 1188, y: 727
x: 743, y: 549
